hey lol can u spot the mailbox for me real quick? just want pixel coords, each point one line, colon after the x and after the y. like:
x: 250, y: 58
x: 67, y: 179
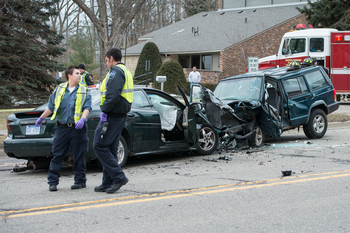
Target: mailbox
x: 161, y: 79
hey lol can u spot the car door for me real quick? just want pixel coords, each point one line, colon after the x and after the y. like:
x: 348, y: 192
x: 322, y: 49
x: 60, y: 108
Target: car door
x: 143, y: 124
x: 270, y: 120
x: 299, y: 99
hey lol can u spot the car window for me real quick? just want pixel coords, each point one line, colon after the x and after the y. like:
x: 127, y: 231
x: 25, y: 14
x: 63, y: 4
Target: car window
x: 156, y: 99
x: 315, y: 79
x: 316, y: 44
x: 139, y: 100
x: 295, y: 86
x: 248, y: 88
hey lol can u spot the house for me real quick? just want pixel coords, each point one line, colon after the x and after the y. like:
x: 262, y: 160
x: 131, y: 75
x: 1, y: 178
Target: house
x: 219, y: 42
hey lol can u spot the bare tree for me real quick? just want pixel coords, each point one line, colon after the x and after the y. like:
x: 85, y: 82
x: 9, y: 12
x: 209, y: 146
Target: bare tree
x: 122, y: 13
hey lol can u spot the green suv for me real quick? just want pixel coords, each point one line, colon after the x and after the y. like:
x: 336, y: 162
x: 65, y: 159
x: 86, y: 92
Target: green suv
x: 278, y: 99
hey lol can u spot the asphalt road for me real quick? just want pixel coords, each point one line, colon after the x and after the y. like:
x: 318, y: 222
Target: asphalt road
x: 188, y: 193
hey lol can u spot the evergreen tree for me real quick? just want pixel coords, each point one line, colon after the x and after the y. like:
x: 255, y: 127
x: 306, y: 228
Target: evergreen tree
x: 175, y: 77
x: 328, y: 14
x: 82, y: 51
x: 27, y: 49
x: 149, y: 52
x: 193, y: 7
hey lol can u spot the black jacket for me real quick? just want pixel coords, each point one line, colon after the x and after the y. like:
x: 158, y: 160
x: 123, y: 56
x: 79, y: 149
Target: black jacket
x: 88, y: 79
x: 115, y: 105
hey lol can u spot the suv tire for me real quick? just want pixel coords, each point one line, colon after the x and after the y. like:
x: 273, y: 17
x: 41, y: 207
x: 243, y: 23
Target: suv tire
x: 259, y: 138
x: 317, y: 125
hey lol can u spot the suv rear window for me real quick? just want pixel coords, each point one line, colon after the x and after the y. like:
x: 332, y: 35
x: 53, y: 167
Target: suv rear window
x: 315, y: 80
x: 295, y: 86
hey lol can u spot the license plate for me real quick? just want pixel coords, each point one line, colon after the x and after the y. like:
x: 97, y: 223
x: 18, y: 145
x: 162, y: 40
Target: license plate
x: 32, y: 130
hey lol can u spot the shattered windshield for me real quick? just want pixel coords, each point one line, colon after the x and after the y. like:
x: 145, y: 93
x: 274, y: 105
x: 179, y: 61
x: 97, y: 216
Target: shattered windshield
x: 239, y: 89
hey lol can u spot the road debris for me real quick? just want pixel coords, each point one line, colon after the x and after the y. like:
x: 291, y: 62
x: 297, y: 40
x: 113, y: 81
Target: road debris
x: 286, y: 172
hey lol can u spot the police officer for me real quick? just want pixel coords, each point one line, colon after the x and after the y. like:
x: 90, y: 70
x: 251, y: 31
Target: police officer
x: 86, y: 78
x: 116, y: 99
x: 70, y: 104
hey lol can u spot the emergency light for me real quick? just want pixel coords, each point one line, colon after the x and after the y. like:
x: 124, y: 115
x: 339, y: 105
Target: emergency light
x: 338, y: 38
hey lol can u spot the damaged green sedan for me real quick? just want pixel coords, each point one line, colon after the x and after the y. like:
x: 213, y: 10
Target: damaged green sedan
x: 157, y: 124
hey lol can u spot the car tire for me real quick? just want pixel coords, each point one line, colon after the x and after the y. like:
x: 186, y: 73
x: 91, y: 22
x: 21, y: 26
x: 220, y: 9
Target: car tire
x: 207, y: 141
x: 259, y: 138
x: 317, y: 125
x: 123, y: 153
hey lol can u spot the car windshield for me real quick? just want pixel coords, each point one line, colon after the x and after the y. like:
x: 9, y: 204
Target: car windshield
x: 95, y: 100
x: 239, y: 89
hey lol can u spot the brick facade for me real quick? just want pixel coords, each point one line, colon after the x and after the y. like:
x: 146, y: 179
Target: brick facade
x: 234, y: 60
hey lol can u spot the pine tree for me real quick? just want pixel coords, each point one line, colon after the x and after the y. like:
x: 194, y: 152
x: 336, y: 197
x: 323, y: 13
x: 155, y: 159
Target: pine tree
x: 175, y: 77
x: 328, y: 14
x: 149, y: 52
x: 27, y: 49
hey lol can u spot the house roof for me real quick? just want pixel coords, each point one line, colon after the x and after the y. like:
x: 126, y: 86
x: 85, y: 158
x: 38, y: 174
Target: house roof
x: 217, y: 30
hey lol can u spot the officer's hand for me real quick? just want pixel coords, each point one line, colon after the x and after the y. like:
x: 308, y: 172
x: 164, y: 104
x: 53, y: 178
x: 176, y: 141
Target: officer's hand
x: 80, y: 123
x: 39, y: 122
x: 103, y: 117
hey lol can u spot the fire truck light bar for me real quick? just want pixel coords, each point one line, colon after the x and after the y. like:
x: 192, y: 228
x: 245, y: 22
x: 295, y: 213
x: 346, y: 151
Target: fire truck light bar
x: 338, y: 38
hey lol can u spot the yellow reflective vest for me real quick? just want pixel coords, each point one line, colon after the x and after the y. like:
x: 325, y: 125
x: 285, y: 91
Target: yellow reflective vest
x: 79, y: 101
x: 82, y: 80
x: 128, y: 87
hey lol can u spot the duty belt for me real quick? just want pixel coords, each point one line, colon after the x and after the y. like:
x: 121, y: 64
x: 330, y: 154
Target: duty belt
x: 67, y: 124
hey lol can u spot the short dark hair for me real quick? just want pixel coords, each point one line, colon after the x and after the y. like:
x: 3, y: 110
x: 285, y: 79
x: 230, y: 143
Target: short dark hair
x: 70, y: 71
x: 115, y: 53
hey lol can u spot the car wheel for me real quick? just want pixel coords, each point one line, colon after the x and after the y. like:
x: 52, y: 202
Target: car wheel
x: 208, y: 140
x: 259, y: 138
x: 317, y: 125
x: 123, y: 153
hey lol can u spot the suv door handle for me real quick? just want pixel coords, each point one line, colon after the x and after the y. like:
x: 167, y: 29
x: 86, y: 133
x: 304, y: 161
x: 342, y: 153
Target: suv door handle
x: 131, y: 115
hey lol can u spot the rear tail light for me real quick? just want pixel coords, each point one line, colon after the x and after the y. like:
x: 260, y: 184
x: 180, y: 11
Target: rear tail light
x: 8, y: 126
x: 335, y: 95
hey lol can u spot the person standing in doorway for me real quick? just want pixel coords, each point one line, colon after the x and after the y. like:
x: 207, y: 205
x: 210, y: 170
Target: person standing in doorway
x: 70, y: 104
x: 116, y: 99
x: 86, y: 77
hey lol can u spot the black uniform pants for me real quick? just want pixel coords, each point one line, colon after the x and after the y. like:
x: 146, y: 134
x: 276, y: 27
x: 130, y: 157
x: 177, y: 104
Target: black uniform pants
x: 77, y: 140
x: 106, y: 150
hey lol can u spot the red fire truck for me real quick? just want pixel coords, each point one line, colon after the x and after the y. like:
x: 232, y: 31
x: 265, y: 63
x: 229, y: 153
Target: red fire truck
x: 330, y: 46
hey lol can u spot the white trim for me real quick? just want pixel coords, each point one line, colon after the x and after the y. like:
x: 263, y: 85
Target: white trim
x: 339, y: 71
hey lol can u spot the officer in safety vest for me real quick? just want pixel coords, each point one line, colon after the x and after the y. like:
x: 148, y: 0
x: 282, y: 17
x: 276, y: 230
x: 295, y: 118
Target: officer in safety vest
x: 116, y: 98
x: 70, y: 105
x: 86, y: 78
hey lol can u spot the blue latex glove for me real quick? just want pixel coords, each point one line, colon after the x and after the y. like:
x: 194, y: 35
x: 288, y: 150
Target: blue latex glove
x: 80, y: 123
x: 103, y: 117
x: 39, y: 122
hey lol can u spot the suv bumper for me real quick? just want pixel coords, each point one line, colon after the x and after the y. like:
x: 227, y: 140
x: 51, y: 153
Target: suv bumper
x: 332, y: 107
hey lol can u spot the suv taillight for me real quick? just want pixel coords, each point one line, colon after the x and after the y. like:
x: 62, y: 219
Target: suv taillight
x: 8, y: 125
x: 335, y: 95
